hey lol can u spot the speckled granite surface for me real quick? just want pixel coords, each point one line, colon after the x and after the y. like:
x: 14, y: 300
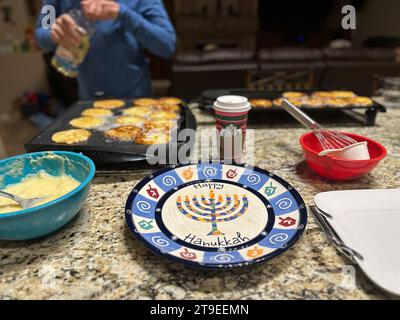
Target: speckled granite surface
x: 95, y: 257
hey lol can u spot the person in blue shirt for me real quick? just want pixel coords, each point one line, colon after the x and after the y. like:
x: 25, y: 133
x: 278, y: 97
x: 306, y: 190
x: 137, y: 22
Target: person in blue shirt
x: 116, y: 63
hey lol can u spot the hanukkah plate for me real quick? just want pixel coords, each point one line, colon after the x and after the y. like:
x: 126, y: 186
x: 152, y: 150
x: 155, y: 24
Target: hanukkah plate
x: 215, y: 215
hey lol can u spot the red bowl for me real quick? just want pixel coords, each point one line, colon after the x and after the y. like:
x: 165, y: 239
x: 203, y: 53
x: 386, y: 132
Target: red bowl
x: 336, y: 168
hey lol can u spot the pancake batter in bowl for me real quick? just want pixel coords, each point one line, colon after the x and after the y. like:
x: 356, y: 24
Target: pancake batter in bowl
x: 37, y: 186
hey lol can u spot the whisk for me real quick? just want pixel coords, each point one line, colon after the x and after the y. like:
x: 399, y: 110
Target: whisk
x: 332, y: 141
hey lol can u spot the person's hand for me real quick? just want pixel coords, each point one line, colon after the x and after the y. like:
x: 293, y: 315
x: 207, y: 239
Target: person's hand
x: 100, y: 9
x: 65, y: 32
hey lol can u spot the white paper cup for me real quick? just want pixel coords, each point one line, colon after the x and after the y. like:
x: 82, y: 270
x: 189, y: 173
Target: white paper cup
x: 357, y: 151
x: 231, y: 110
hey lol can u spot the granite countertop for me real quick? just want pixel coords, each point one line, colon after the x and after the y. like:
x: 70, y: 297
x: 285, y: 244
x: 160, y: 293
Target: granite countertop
x: 95, y: 256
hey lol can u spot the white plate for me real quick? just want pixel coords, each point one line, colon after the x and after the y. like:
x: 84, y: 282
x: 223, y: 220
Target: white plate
x: 368, y: 221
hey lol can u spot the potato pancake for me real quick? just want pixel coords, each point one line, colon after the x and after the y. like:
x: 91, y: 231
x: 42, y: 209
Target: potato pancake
x: 342, y: 94
x: 293, y: 94
x: 138, y: 111
x: 360, y: 101
x: 144, y: 102
x: 130, y: 120
x: 166, y: 115
x: 312, y: 102
x: 322, y: 94
x: 109, y: 104
x: 277, y: 102
x: 96, y: 112
x: 336, y: 102
x: 153, y: 137
x: 87, y: 122
x: 125, y: 133
x: 260, y: 103
x: 160, y: 124
x: 295, y: 101
x: 170, y: 101
x: 71, y: 136
x: 166, y: 107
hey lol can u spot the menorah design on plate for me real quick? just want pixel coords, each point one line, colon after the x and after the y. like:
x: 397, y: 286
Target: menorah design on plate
x: 215, y: 209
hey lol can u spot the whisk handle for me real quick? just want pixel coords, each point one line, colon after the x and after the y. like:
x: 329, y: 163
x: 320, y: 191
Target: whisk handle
x: 300, y: 116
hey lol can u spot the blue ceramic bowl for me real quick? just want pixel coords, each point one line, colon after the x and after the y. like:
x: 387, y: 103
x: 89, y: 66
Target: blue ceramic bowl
x: 41, y: 220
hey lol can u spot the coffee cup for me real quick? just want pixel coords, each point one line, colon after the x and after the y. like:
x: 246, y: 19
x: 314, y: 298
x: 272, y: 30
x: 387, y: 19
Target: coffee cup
x: 231, y: 120
x: 231, y: 110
